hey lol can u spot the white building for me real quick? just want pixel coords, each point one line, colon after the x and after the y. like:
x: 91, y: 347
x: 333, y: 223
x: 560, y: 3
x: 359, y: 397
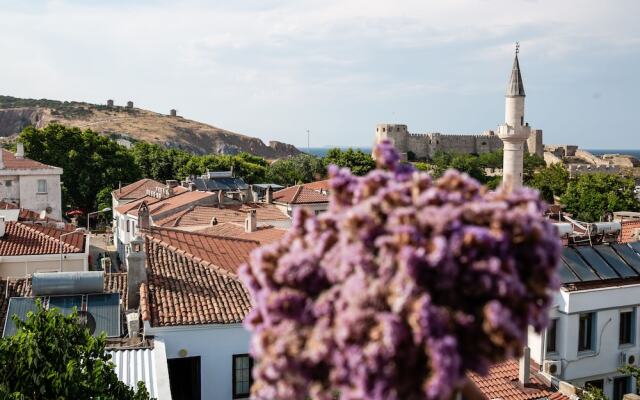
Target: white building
x: 308, y: 197
x: 594, y: 329
x: 30, y: 184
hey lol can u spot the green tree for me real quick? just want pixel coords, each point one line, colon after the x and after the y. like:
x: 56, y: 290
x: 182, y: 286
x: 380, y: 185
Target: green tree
x: 53, y: 356
x: 303, y: 168
x: 357, y: 161
x: 592, y: 393
x: 90, y: 162
x: 467, y: 163
x: 550, y: 181
x: 589, y: 196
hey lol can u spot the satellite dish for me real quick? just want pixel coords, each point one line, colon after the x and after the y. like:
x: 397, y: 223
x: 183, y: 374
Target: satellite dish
x: 87, y: 320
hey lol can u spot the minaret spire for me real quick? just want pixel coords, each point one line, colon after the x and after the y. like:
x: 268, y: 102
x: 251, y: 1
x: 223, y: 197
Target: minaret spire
x: 515, y: 87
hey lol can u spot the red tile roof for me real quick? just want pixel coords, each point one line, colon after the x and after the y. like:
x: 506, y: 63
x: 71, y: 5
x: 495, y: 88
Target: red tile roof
x: 136, y: 189
x: 115, y: 282
x: 133, y: 205
x: 216, y: 251
x: 10, y: 161
x: 299, y: 195
x: 318, y: 185
x: 184, y: 291
x: 202, y: 215
x: 173, y: 202
x: 502, y: 383
x: 29, y: 239
x: 263, y: 234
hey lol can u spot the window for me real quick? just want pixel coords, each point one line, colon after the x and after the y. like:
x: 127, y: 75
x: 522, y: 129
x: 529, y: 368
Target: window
x: 242, y: 364
x: 598, y: 384
x: 585, y: 332
x: 42, y: 186
x: 627, y: 328
x: 621, y: 386
x: 8, y: 183
x: 522, y: 120
x: 552, y: 334
x: 128, y: 229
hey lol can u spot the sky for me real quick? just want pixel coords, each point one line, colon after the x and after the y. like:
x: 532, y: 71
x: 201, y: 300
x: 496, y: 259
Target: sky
x: 275, y: 69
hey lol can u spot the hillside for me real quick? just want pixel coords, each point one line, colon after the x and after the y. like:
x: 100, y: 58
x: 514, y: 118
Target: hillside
x: 134, y: 124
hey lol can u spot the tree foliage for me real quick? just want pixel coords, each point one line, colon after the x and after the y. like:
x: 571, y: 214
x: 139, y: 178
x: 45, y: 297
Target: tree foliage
x: 302, y: 168
x: 593, y: 393
x: 589, y: 196
x: 52, y: 356
x: 90, y: 162
x: 359, y: 162
x: 550, y: 181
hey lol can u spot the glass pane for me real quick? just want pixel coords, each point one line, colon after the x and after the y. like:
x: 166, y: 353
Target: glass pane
x: 635, y: 246
x: 615, y: 261
x: 239, y: 387
x: 566, y: 275
x: 245, y: 387
x: 597, y: 263
x: 578, y: 266
x: 628, y: 255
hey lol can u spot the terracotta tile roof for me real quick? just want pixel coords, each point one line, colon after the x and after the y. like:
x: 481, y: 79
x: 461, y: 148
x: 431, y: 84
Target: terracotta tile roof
x: 502, y: 383
x: 318, y: 185
x: 216, y: 251
x: 133, y: 205
x: 299, y: 195
x: 264, y: 234
x: 10, y: 161
x: 629, y: 228
x: 136, y: 189
x: 173, y: 202
x: 4, y: 205
x: 28, y: 239
x: 202, y: 215
x: 22, y: 288
x: 183, y: 291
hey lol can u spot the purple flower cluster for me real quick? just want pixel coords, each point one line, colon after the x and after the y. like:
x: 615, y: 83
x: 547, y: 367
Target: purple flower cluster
x: 400, y: 288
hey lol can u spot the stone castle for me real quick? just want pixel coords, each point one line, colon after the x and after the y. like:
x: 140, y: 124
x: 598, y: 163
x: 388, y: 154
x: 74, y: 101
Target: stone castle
x: 422, y: 146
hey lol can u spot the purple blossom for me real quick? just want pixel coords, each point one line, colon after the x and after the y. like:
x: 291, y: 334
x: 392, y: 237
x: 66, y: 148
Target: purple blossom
x: 403, y: 286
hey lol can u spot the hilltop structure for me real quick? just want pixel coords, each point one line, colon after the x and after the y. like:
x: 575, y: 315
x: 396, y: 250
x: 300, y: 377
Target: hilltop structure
x: 413, y: 146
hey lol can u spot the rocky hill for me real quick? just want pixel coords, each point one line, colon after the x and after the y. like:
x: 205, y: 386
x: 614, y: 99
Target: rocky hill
x: 134, y: 124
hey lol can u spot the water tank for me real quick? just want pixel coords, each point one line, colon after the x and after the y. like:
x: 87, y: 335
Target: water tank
x: 604, y: 227
x: 564, y: 229
x: 52, y: 283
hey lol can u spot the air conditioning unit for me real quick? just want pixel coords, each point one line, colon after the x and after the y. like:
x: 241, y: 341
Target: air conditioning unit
x: 627, y: 358
x: 552, y: 367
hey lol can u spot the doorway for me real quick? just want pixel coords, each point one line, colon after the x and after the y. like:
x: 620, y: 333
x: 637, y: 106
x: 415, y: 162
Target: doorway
x: 184, y: 378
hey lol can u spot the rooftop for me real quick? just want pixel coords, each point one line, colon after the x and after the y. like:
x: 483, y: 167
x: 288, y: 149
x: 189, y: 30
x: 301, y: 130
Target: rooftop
x: 221, y: 253
x: 263, y: 234
x: 318, y: 185
x: 203, y: 215
x: 10, y: 161
x: 31, y: 239
x: 136, y: 189
x: 299, y: 194
x: 182, y: 289
x: 502, y: 383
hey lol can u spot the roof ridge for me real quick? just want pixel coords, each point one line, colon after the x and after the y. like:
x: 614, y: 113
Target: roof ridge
x: 296, y: 194
x: 201, y: 234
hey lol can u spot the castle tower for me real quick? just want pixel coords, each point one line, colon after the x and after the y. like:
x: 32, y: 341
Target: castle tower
x: 514, y: 132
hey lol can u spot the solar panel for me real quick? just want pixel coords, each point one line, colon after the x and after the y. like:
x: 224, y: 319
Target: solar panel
x: 582, y: 270
x: 635, y: 246
x: 628, y: 255
x: 19, y: 306
x: 105, y: 309
x: 615, y: 261
x: 597, y: 263
x: 566, y: 275
x: 65, y: 303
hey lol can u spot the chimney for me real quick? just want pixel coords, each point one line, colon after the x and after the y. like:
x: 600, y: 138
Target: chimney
x: 19, y: 150
x: 268, y: 197
x: 136, y: 272
x: 220, y: 197
x: 525, y: 366
x: 251, y: 222
x: 2, y: 227
x: 144, y: 217
x: 171, y: 183
x: 133, y: 324
x: 214, y: 221
x: 192, y: 187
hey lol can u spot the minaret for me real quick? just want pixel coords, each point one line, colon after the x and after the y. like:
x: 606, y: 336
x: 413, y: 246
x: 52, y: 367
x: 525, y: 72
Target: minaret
x: 514, y: 132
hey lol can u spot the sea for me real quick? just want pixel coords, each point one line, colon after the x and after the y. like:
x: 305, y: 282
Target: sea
x: 322, y: 151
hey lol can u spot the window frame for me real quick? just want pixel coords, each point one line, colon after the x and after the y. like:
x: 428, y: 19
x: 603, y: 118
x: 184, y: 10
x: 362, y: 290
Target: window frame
x: 590, y: 333
x: 234, y: 370
x: 46, y: 186
x: 631, y: 327
x: 553, y: 327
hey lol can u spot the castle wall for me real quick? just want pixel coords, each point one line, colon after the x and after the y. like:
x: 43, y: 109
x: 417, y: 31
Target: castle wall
x: 419, y: 145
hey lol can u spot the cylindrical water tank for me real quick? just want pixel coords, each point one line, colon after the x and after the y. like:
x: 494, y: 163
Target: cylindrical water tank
x: 564, y: 229
x: 604, y: 227
x: 50, y: 283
